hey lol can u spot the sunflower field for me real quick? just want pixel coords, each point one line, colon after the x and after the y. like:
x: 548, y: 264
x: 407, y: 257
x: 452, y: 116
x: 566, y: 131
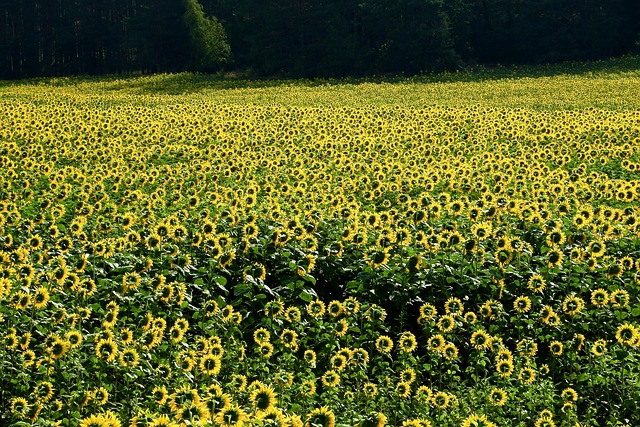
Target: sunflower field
x: 461, y: 254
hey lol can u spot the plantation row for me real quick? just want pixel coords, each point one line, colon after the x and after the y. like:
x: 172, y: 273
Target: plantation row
x: 173, y: 260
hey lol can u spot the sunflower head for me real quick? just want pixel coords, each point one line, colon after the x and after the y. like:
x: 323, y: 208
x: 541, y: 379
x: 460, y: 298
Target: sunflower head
x: 323, y: 417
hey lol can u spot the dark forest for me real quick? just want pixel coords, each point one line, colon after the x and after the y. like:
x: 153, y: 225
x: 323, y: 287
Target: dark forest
x: 306, y: 38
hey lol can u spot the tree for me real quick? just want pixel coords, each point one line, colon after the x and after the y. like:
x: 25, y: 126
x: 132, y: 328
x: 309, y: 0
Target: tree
x: 208, y: 40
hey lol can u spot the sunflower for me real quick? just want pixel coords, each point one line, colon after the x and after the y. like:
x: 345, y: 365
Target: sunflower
x: 436, y: 342
x: 35, y: 243
x: 335, y: 308
x: 424, y: 394
x: 428, y: 311
x: 342, y: 326
x: 261, y: 335
x: 57, y: 348
x: 599, y: 297
x: 320, y: 417
x: 403, y: 390
x: 226, y: 258
x: 93, y: 421
x: 454, y: 306
x: 375, y: 313
x: 527, y: 347
x: 627, y: 334
x: 576, y: 255
x: 554, y: 257
x: 572, y: 305
x: 369, y: 389
x: 159, y: 325
x: 28, y: 358
x: 592, y: 263
x: 283, y: 378
x: 338, y: 362
x: 331, y: 379
x: 470, y: 246
x: 193, y: 413
x: 527, y: 375
x: 470, y: 317
x: 43, y: 391
x: 384, y: 344
x: 544, y: 421
x: 316, y: 308
x: 599, y: 347
x: 186, y: 360
x: 159, y: 395
x: 153, y: 241
x: 110, y: 318
x: 130, y: 282
x: 481, y: 230
x: 480, y: 340
x: 440, y: 400
x: 407, y: 342
x: 106, y: 349
x: 217, y: 401
x: 450, y: 351
x: 40, y: 298
x: 613, y: 270
x: 522, y: 304
x: 176, y: 334
x: 360, y: 356
x: 497, y: 396
x: 21, y: 300
x: 292, y: 315
x: 310, y: 357
x: 272, y: 417
x: 19, y: 407
x: 619, y: 298
x: 265, y: 349
x: 536, y: 283
x: 446, y: 323
x: 596, y: 248
x: 24, y: 340
x: 569, y: 395
x: 161, y: 421
x: 308, y: 387
x: 263, y: 398
x: 477, y: 420
x: 229, y: 315
x: 210, y: 364
x: 239, y: 382
x: 552, y: 319
x: 378, y: 256
x: 100, y: 396
x: 182, y: 397
x: 486, y: 309
x: 504, y: 368
x: 556, y: 348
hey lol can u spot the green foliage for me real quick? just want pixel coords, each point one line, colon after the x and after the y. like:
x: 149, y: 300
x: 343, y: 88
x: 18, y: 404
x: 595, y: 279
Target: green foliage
x: 208, y: 41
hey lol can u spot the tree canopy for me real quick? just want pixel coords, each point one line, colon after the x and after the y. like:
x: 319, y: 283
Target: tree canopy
x: 306, y: 38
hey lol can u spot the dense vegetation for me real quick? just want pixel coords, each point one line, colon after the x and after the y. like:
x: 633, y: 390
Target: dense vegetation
x: 175, y: 251
x: 307, y: 38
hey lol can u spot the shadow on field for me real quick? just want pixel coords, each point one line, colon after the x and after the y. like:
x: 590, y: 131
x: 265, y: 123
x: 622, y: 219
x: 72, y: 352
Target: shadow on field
x: 192, y: 83
x: 187, y: 83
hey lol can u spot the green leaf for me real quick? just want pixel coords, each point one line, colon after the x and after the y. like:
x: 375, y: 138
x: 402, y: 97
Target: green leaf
x: 305, y: 296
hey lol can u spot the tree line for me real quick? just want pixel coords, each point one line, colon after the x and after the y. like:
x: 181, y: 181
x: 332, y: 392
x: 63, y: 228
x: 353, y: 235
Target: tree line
x: 306, y: 38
